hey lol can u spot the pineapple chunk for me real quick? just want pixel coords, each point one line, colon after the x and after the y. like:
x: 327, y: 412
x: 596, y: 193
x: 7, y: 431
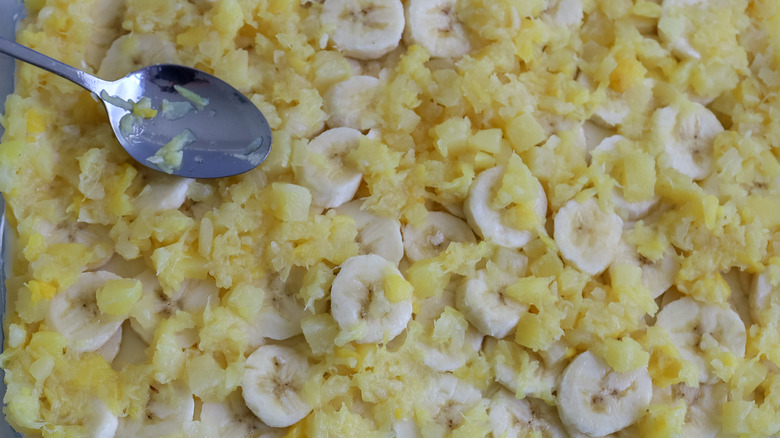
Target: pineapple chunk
x: 290, y: 202
x: 396, y: 288
x: 524, y: 132
x: 117, y: 297
x: 622, y: 355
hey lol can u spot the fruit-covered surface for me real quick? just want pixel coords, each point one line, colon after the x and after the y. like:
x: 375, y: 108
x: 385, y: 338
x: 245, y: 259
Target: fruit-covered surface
x: 478, y: 217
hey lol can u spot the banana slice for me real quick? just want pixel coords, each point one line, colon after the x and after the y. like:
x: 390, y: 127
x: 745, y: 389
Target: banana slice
x: 657, y: 275
x: 489, y: 223
x: 282, y: 310
x: 610, y: 113
x: 434, y: 235
x: 596, y: 400
x: 157, y: 304
x: 703, y: 406
x: 323, y: 170
x: 761, y: 298
x: 106, y: 25
x: 633, y: 211
x: 511, y: 417
x: 273, y: 380
x: 434, y: 25
x: 352, y: 103
x: 695, y: 326
x: 628, y: 211
x: 447, y: 399
x: 358, y: 300
x: 94, y: 237
x: 74, y: 313
x: 100, y: 421
x: 233, y: 419
x: 587, y: 236
x: 521, y: 371
x: 162, y: 192
x: 130, y: 52
x: 461, y: 343
x: 450, y: 356
x: 564, y: 13
x: 110, y: 349
x: 687, y: 132
x: 376, y: 234
x: 364, y: 29
x: 431, y: 308
x: 675, y: 28
x: 168, y: 407
x: 485, y: 304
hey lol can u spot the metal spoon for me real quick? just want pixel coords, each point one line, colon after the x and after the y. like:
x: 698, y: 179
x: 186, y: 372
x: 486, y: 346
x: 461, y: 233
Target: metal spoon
x: 229, y: 134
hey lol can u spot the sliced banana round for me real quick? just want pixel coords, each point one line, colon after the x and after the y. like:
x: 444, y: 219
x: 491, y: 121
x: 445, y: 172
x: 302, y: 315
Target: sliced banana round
x: 132, y: 51
x: 633, y: 211
x: 168, y: 407
x: 678, y: 36
x: 587, y: 236
x: 358, y: 300
x: 596, y: 400
x: 162, y: 192
x: 364, y: 29
x: 110, y: 349
x: 376, y: 234
x: 658, y: 275
x: 511, y: 417
x: 283, y: 308
x: 273, y: 380
x: 687, y: 132
x: 94, y: 237
x: 447, y: 399
x: 100, y: 422
x: 695, y: 327
x: 352, y: 103
x: 703, y: 406
x: 485, y: 304
x: 74, y: 313
x: 445, y: 356
x: 157, y: 304
x: 106, y: 26
x: 610, y: 113
x: 430, y: 308
x: 323, y: 170
x: 761, y: 296
x: 564, y: 13
x: 489, y: 223
x: 628, y: 211
x: 434, y: 25
x: 233, y: 419
x: 512, y: 365
x: 461, y: 343
x: 434, y: 235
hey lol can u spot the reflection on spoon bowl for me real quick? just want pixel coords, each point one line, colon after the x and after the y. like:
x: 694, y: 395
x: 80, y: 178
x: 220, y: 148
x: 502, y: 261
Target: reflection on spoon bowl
x: 192, y: 124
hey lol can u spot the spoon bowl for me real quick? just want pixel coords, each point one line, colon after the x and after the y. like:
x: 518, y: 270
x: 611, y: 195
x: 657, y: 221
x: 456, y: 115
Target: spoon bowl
x: 223, y: 132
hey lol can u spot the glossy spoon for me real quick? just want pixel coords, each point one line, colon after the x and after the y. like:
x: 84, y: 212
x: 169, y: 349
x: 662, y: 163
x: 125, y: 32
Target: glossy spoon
x: 227, y: 136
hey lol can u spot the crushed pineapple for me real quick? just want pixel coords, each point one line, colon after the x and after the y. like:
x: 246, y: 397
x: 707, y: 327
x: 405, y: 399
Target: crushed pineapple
x: 531, y: 95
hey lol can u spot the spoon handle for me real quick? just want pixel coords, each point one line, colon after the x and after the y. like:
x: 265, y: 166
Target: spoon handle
x: 38, y: 59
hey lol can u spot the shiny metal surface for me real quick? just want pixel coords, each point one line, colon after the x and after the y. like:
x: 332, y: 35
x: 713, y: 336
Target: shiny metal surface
x: 231, y: 135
